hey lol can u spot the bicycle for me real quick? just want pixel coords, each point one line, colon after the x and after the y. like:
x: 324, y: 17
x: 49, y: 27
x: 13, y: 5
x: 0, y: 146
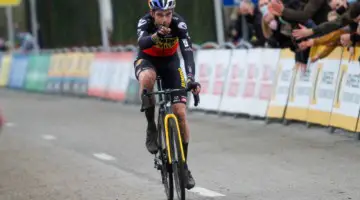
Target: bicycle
x: 170, y: 159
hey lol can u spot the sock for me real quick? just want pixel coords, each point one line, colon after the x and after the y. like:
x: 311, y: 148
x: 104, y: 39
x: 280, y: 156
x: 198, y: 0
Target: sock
x: 186, y: 145
x: 150, y: 114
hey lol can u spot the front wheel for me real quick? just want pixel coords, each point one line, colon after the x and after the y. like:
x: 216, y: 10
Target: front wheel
x: 166, y: 171
x: 178, y: 164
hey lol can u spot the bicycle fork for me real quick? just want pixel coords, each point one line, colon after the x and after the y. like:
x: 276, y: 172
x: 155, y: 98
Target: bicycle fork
x: 157, y: 161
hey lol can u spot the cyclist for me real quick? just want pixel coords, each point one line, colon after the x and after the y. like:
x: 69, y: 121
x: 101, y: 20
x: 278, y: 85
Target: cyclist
x: 160, y: 33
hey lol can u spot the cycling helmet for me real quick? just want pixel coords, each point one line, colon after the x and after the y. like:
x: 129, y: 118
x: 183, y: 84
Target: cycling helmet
x: 162, y: 4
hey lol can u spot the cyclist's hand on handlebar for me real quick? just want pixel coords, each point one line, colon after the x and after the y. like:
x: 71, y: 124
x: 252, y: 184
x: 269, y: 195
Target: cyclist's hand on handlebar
x: 195, y: 87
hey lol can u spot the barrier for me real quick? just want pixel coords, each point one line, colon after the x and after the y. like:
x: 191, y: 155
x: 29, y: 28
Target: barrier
x: 18, y: 71
x: 5, y: 69
x: 109, y: 75
x: 323, y: 90
x: 283, y: 80
x: 68, y: 65
x: 79, y: 85
x: 212, y: 70
x: 346, y: 106
x: 119, y: 71
x: 300, y: 93
x: 232, y: 100
x: 255, y: 82
x: 55, y: 73
x: 261, y: 69
x: 36, y: 77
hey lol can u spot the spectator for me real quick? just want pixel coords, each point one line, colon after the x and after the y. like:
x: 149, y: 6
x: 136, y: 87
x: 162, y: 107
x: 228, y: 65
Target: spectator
x: 236, y: 26
x: 26, y: 41
x: 304, y: 10
x: 3, y: 46
x: 253, y: 18
x: 352, y: 14
x: 331, y: 40
x: 307, y: 12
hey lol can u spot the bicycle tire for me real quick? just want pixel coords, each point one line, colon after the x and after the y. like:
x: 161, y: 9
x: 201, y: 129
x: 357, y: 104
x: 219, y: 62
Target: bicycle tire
x: 178, y: 164
x: 166, y: 170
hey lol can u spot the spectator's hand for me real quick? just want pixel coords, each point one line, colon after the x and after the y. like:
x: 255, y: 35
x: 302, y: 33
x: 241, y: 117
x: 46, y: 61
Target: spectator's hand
x: 302, y: 32
x: 276, y: 7
x: 345, y: 40
x: 342, y: 3
x: 315, y: 58
x: 352, y: 53
x: 246, y: 8
x: 306, y: 44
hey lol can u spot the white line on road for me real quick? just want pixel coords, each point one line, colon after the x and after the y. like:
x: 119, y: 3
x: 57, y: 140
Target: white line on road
x: 9, y: 124
x: 49, y: 137
x: 104, y: 156
x: 205, y: 192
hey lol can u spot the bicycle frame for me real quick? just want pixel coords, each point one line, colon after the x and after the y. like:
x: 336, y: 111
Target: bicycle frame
x: 165, y: 108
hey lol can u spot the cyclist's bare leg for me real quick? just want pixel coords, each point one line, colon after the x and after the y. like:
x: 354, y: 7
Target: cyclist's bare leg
x: 147, y: 80
x: 179, y: 110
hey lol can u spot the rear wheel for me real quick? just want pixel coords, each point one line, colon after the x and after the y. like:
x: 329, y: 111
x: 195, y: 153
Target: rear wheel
x: 166, y: 170
x: 178, y: 165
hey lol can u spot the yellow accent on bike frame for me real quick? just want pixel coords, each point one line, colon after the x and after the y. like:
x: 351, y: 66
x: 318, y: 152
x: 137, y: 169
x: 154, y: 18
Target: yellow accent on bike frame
x: 167, y: 136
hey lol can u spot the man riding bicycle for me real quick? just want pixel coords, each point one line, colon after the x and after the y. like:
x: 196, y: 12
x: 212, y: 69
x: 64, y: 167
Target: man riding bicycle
x: 159, y: 34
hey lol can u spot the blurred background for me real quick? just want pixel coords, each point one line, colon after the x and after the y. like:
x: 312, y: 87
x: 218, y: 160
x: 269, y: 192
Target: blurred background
x: 68, y: 23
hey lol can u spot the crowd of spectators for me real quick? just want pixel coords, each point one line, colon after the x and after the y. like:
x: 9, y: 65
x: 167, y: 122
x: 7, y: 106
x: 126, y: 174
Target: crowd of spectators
x: 298, y: 25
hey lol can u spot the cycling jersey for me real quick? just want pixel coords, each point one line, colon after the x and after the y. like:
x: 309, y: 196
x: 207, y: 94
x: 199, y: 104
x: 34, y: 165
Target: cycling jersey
x: 166, y: 46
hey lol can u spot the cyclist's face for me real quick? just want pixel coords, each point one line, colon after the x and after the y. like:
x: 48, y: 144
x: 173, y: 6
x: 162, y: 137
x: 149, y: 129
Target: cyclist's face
x: 162, y: 17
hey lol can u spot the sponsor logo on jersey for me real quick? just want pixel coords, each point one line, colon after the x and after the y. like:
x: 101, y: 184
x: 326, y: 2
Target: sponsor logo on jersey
x: 182, y: 25
x: 141, y: 22
x: 185, y: 42
x: 182, y: 77
x: 167, y: 43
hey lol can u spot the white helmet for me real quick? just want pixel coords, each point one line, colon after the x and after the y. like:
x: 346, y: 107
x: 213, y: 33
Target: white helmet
x: 162, y: 4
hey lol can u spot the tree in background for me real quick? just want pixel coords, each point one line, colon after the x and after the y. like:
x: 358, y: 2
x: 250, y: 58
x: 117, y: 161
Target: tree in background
x: 69, y: 23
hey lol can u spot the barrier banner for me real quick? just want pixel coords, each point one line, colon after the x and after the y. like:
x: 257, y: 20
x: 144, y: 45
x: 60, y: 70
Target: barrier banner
x: 118, y: 75
x: 232, y: 100
x: 132, y: 92
x: 213, y: 66
x: 300, y: 92
x: 55, y: 73
x: 283, y: 81
x: 79, y: 86
x: 18, y: 71
x: 68, y: 65
x: 261, y: 67
x: 346, y: 104
x: 252, y: 81
x: 5, y: 69
x: 99, y: 76
x: 323, y: 90
x: 36, y: 77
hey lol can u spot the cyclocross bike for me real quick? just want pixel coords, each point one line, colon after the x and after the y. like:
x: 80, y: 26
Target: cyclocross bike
x: 170, y: 159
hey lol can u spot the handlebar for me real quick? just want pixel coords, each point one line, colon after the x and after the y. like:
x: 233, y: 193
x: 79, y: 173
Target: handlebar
x: 169, y: 91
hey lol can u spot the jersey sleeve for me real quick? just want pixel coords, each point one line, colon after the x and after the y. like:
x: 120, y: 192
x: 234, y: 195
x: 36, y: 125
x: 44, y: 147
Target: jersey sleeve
x: 186, y: 49
x: 144, y: 39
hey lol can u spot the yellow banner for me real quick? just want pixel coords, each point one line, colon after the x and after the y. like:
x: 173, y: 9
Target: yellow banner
x: 10, y: 2
x: 84, y: 65
x: 5, y: 70
x: 56, y: 65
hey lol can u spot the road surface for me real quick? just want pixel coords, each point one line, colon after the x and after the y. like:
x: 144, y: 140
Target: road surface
x: 62, y: 148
